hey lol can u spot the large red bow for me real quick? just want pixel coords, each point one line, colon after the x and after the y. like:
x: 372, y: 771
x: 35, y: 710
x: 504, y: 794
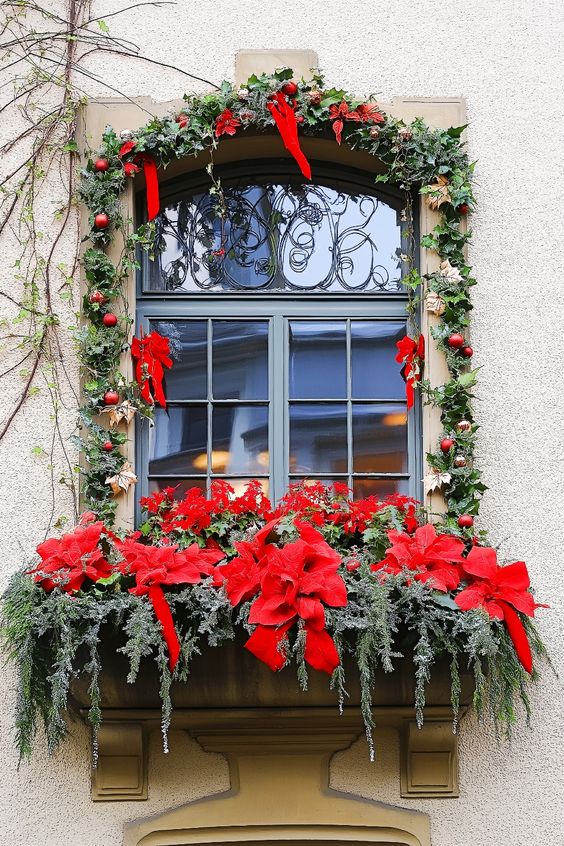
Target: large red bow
x: 294, y: 583
x: 285, y: 119
x: 412, y: 354
x: 151, y: 178
x: 501, y: 591
x: 155, y: 566
x: 152, y: 353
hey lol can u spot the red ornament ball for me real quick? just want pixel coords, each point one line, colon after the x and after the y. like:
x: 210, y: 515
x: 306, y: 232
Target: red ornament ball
x: 101, y: 165
x: 467, y: 352
x: 447, y: 444
x: 107, y: 446
x: 465, y: 521
x: 111, y: 397
x: 96, y: 297
x: 290, y: 89
x: 101, y: 221
x: 109, y: 319
x: 299, y: 118
x: 464, y: 208
x: 456, y: 341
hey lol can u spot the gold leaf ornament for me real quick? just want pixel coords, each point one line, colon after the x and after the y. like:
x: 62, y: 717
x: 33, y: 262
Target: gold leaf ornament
x: 438, y: 193
x: 124, y: 411
x: 449, y: 272
x: 435, y: 480
x: 434, y: 303
x: 122, y: 480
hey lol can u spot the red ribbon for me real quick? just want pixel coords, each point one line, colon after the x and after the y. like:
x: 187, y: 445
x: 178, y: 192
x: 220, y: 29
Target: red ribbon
x: 164, y: 616
x: 518, y: 635
x: 151, y: 178
x: 285, y: 119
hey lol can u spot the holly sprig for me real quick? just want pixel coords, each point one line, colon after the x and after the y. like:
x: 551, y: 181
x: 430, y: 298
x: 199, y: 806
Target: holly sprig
x: 432, y: 162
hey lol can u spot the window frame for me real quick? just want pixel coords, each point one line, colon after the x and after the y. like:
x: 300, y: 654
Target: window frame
x: 305, y: 307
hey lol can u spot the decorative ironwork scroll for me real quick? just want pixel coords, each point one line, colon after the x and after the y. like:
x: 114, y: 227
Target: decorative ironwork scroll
x: 278, y: 237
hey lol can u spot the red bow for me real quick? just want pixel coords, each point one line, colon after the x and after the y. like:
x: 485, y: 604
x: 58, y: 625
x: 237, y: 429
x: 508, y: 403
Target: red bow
x: 151, y: 178
x: 152, y: 353
x: 501, y: 591
x: 412, y: 354
x: 155, y: 566
x: 285, y: 119
x: 294, y: 582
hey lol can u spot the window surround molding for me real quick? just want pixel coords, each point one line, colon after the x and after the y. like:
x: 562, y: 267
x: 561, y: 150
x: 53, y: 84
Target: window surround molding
x: 121, y: 114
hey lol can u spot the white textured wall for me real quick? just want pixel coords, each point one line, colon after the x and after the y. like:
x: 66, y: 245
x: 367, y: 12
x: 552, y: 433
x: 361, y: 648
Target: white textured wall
x: 503, y: 58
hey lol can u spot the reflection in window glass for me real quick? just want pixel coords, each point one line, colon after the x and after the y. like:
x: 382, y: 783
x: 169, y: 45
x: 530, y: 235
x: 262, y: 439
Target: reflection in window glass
x: 379, y: 438
x: 318, y: 438
x: 178, y: 440
x: 379, y: 488
x: 318, y: 359
x: 240, y: 359
x: 187, y: 378
x: 240, y: 439
x: 375, y: 372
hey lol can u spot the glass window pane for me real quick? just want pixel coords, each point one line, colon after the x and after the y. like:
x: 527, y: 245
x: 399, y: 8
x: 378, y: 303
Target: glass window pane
x: 181, y: 485
x: 178, y: 441
x: 240, y: 485
x: 375, y: 371
x: 379, y: 438
x: 240, y: 439
x: 318, y: 363
x: 379, y: 488
x: 240, y: 359
x: 187, y: 378
x: 318, y: 438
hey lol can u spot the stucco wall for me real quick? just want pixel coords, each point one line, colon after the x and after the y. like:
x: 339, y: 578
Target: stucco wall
x: 502, y: 58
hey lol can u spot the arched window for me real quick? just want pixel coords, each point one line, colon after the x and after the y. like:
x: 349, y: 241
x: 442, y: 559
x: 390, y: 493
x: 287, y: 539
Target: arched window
x: 283, y: 303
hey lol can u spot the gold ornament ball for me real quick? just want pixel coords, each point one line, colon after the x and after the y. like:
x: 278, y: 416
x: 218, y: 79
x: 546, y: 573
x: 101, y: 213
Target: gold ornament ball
x: 314, y: 97
x: 459, y: 461
x: 126, y: 135
x: 374, y: 132
x: 463, y: 425
x: 405, y: 134
x: 243, y: 94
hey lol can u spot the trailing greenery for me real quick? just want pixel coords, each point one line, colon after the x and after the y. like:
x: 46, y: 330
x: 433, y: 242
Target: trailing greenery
x: 394, y: 619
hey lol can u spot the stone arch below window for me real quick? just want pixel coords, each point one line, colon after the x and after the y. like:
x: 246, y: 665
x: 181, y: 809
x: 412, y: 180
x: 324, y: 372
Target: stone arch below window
x: 280, y: 793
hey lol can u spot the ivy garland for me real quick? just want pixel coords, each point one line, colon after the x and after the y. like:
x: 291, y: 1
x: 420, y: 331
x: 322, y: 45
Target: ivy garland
x: 432, y: 161
x: 457, y: 602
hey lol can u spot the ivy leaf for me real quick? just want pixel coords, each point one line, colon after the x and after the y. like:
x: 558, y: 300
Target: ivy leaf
x: 468, y: 380
x: 103, y: 26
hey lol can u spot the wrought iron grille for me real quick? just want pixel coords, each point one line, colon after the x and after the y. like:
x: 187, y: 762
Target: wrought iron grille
x: 277, y: 237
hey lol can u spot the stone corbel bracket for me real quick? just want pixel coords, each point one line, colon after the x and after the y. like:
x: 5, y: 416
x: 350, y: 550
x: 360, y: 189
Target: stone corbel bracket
x: 428, y: 756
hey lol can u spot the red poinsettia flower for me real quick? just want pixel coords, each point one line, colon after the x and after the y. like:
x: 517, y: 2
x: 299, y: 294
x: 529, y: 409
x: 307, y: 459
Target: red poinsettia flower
x: 226, y: 123
x: 161, y: 500
x: 501, y: 591
x: 412, y: 354
x: 152, y: 354
x: 297, y: 582
x: 191, y: 514
x: 432, y: 558
x: 369, y: 113
x: 68, y: 561
x: 338, y: 114
x: 242, y: 575
x: 154, y: 566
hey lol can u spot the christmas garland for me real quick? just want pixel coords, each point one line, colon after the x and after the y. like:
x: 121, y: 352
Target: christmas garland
x: 363, y: 574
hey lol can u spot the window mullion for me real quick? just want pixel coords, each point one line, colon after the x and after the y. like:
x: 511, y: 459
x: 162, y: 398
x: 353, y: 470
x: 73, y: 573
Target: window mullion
x: 209, y: 402
x: 278, y: 392
x: 349, y: 404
